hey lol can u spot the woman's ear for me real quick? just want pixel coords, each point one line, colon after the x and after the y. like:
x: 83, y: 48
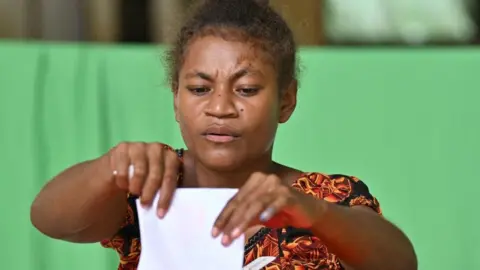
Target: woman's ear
x: 288, y: 102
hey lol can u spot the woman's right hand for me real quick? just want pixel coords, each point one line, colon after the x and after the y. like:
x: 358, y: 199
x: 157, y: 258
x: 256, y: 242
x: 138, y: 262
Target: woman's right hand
x: 155, y: 168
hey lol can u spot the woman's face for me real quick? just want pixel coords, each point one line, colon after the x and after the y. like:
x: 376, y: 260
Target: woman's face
x: 228, y: 103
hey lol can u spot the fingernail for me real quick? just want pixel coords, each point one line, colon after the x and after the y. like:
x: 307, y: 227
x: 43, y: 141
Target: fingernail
x: 225, y: 240
x: 267, y: 214
x: 161, y: 213
x: 215, y: 232
x: 236, y: 233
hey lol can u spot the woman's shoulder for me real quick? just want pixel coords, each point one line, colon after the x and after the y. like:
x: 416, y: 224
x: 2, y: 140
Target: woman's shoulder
x: 337, y: 188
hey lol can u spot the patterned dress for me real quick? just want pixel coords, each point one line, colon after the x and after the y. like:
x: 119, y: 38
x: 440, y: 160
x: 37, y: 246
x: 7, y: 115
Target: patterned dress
x: 294, y: 249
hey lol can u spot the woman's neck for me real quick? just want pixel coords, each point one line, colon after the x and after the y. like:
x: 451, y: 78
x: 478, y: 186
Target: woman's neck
x: 197, y: 175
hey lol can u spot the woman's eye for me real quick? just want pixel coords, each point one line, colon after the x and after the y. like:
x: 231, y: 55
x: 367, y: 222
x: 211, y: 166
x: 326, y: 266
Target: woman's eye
x: 199, y: 90
x: 247, y: 91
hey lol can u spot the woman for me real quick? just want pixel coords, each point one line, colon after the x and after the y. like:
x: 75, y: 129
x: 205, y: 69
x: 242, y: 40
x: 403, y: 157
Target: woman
x: 233, y: 80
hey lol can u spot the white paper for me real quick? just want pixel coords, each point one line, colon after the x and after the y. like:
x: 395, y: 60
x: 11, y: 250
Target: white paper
x: 182, y: 239
x: 259, y: 263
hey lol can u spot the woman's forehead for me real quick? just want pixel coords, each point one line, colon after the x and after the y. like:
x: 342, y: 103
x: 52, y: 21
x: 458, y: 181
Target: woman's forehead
x: 216, y: 53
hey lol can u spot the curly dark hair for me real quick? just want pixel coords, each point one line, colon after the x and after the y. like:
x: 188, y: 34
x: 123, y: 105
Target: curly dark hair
x: 238, y: 20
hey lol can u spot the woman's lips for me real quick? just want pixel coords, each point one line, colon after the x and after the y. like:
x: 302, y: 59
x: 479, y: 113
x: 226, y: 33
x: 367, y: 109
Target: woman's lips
x: 221, y: 134
x: 220, y: 138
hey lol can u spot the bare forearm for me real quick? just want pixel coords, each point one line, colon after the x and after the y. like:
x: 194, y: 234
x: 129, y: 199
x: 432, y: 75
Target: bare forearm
x: 364, y: 240
x: 80, y: 205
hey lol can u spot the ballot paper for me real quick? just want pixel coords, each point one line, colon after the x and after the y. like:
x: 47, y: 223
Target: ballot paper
x: 182, y: 239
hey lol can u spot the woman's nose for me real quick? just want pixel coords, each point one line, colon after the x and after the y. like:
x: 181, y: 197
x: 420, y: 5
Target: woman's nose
x: 221, y: 105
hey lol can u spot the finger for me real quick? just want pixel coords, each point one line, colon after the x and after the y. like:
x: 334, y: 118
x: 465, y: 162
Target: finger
x: 247, y: 216
x: 276, y: 214
x: 223, y: 219
x: 224, y: 216
x: 169, y: 182
x: 256, y: 201
x: 121, y: 161
x: 273, y: 215
x: 254, y: 188
x: 250, y: 187
x: 155, y: 173
x: 270, y: 188
x: 252, y: 184
x: 138, y: 159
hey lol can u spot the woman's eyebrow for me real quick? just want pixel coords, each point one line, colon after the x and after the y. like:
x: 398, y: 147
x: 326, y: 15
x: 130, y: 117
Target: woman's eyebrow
x: 199, y: 74
x: 238, y: 74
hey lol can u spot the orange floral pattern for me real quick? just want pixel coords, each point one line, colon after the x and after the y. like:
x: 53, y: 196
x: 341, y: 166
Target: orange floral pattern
x: 295, y: 249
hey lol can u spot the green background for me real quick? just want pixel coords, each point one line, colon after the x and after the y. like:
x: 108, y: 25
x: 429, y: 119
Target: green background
x: 406, y: 121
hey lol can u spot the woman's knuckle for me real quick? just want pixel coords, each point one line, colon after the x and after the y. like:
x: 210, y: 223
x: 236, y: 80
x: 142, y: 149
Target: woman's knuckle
x: 258, y: 175
x: 138, y: 145
x: 155, y: 147
x: 154, y: 176
x: 169, y: 176
x: 140, y: 171
x: 123, y: 145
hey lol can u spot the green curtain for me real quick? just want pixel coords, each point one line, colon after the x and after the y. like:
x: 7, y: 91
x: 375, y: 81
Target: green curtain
x: 406, y: 121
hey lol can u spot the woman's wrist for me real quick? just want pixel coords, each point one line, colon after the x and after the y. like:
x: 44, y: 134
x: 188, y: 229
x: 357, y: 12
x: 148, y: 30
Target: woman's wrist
x: 320, y: 211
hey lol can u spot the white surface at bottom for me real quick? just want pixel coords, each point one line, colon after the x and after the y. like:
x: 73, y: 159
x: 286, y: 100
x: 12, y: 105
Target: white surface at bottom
x: 182, y: 240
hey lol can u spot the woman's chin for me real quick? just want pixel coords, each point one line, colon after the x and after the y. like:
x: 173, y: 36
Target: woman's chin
x: 223, y: 163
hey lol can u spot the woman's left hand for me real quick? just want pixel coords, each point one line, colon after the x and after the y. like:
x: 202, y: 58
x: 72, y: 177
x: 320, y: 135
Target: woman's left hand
x: 266, y: 200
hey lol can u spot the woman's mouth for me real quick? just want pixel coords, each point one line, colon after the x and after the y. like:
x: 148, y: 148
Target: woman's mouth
x: 220, y: 138
x: 221, y: 134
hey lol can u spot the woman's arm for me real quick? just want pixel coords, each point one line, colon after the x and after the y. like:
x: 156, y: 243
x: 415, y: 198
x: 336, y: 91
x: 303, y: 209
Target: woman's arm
x: 82, y: 204
x: 337, y: 209
x: 363, y: 239
x: 87, y: 203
